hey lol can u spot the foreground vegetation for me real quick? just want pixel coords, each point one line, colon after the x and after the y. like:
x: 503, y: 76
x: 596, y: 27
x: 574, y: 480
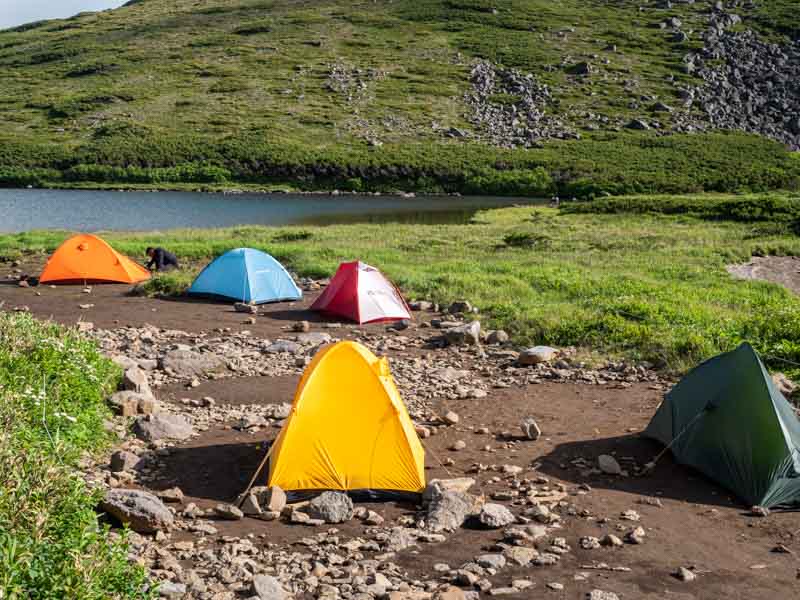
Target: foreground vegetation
x: 646, y: 285
x: 241, y: 92
x: 53, y: 386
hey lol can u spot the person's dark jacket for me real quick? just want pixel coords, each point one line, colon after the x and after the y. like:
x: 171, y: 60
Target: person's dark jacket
x: 162, y: 259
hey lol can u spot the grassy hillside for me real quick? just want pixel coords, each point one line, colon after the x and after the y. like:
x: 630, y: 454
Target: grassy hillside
x: 364, y: 95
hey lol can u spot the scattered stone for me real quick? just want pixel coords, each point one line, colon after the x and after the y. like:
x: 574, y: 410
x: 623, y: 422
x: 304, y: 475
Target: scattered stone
x: 759, y: 511
x: 331, y: 507
x: 437, y: 487
x: 129, y: 404
x: 684, y: 574
x: 530, y: 429
x: 266, y: 587
x: 458, y: 445
x: 244, y: 307
x: 301, y: 327
x: 122, y: 460
x: 610, y: 540
x: 140, y: 510
x: 601, y: 595
x: 609, y: 465
x: 537, y: 355
x: 466, y: 334
x: 451, y: 418
x: 520, y: 555
x: 589, y: 542
x: 187, y: 364
x: 495, y: 516
x: 229, y: 512
x: 448, y: 510
x: 635, y: 536
x: 172, y: 495
x: 151, y: 428
x: 497, y: 337
x: 491, y: 561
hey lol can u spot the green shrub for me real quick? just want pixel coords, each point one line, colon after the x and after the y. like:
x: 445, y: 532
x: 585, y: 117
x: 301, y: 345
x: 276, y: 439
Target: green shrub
x: 54, y: 385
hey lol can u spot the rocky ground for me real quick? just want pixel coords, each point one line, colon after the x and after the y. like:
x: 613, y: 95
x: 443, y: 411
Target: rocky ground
x: 744, y: 82
x: 537, y: 485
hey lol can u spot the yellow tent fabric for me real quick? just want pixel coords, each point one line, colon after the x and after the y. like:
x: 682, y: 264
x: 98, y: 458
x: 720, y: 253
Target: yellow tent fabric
x: 348, y: 428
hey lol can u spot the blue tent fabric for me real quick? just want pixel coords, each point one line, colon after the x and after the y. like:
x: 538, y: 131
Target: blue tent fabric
x: 246, y: 275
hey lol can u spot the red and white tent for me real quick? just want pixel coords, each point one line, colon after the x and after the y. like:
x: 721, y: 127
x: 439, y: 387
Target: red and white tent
x: 362, y: 294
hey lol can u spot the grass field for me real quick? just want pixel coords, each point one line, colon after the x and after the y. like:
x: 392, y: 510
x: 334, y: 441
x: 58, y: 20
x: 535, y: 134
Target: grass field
x: 53, y: 387
x: 641, y: 284
x: 239, y: 92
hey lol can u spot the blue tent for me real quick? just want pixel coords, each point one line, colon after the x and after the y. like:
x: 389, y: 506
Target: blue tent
x: 246, y: 275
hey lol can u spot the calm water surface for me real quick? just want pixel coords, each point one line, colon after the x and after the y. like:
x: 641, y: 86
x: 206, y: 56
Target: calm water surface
x: 80, y: 210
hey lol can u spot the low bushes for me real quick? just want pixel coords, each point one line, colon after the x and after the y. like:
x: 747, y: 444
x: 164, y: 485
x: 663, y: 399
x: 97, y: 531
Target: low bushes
x: 53, y: 385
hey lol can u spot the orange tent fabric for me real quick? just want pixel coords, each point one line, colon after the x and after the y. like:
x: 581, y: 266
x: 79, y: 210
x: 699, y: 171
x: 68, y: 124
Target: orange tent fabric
x: 88, y: 258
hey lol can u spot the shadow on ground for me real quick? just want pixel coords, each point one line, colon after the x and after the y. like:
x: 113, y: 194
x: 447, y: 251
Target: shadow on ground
x: 668, y: 480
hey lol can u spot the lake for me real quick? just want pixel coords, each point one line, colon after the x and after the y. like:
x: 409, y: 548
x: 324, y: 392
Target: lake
x: 82, y: 210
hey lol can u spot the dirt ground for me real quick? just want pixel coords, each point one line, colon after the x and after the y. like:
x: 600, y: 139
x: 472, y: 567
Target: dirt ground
x: 698, y: 524
x: 783, y: 270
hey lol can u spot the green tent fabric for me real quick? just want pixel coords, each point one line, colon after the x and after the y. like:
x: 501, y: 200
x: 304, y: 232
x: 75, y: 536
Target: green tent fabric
x: 727, y: 420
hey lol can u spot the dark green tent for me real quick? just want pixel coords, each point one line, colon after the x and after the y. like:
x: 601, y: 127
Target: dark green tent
x: 727, y: 420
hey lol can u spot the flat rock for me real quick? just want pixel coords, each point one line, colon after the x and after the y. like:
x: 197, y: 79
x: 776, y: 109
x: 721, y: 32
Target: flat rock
x: 122, y: 460
x: 437, y: 487
x: 313, y: 338
x: 283, y: 347
x: 266, y: 587
x: 151, y: 428
x: 536, y: 355
x: 601, y: 595
x: 188, y: 363
x: 128, y: 403
x: 466, y: 334
x: 140, y: 510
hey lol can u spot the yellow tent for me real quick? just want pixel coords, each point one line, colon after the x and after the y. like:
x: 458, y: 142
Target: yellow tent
x: 348, y: 428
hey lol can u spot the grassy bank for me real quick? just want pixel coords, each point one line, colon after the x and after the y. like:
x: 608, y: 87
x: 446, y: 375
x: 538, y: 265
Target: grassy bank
x: 53, y: 386
x: 646, y: 285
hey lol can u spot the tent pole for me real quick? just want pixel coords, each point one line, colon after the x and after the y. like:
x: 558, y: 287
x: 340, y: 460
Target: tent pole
x: 243, y: 495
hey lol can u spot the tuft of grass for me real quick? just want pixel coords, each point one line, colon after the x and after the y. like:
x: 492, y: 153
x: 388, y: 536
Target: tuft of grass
x: 53, y: 385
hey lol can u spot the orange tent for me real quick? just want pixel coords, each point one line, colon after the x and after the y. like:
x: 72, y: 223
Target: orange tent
x: 87, y: 258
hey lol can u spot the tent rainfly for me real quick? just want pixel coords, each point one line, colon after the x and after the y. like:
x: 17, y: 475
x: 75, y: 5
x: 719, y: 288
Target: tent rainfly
x: 362, y: 294
x: 86, y: 258
x: 348, y: 429
x: 727, y: 420
x: 246, y: 275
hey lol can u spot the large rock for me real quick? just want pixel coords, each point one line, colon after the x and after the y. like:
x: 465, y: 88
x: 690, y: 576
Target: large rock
x: 331, y: 507
x: 135, y: 379
x: 601, y: 595
x: 449, y: 510
x: 609, y: 465
x: 128, y: 403
x: 437, y: 487
x: 140, y: 510
x: 283, y: 347
x: 188, y: 363
x: 495, y: 516
x: 244, y: 307
x: 468, y: 333
x: 150, y: 428
x: 266, y: 587
x: 270, y: 499
x: 122, y: 460
x: 536, y: 355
